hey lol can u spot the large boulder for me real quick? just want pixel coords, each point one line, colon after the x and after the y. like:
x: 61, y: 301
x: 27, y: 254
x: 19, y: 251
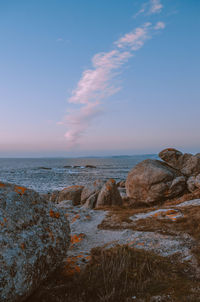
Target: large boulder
x: 109, y: 195
x: 186, y: 163
x: 153, y: 181
x: 34, y: 240
x: 72, y: 193
x: 91, y: 190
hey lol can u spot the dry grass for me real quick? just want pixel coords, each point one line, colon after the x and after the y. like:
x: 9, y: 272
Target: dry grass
x: 116, y: 275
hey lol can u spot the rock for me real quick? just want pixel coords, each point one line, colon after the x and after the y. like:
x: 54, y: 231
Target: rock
x: 34, y: 240
x: 197, y: 181
x: 121, y: 183
x: 71, y: 193
x: 171, y: 156
x: 191, y: 184
x: 91, y: 201
x: 90, y: 166
x: 109, y: 195
x: 191, y: 166
x: 90, y: 189
x: 187, y: 164
x: 153, y: 181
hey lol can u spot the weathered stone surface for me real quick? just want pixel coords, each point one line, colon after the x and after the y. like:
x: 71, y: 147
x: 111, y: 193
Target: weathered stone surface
x: 197, y: 181
x: 153, y: 181
x: 109, y: 195
x: 187, y: 164
x: 191, y: 184
x: 34, y: 239
x: 71, y: 193
x: 191, y: 166
x: 91, y: 201
x: 171, y: 156
x: 90, y: 189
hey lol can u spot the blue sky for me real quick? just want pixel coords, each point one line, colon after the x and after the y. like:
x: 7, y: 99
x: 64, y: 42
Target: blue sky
x: 148, y: 101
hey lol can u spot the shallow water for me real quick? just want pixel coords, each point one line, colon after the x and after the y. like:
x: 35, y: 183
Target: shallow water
x: 48, y: 174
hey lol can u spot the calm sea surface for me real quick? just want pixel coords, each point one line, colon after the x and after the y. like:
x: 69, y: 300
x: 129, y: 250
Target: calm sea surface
x: 48, y: 174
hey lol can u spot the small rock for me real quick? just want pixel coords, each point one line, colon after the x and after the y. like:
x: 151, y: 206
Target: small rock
x: 90, y: 189
x: 109, y: 195
x: 91, y: 201
x: 71, y: 193
x: 90, y: 166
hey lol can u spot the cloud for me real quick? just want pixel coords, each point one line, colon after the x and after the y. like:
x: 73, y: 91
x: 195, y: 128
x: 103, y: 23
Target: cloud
x: 159, y: 25
x: 135, y: 39
x: 155, y: 6
x: 96, y: 83
x: 150, y: 8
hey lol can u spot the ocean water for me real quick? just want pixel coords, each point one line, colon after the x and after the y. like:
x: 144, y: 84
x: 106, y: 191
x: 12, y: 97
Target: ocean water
x: 48, y: 174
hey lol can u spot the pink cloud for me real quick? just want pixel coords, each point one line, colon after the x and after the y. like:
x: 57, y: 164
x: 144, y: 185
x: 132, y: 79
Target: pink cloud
x: 155, y: 6
x: 96, y: 83
x: 135, y: 39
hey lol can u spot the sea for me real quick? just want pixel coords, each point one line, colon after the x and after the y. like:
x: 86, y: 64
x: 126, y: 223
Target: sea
x: 48, y: 174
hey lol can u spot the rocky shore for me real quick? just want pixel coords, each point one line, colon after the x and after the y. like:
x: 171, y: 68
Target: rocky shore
x: 144, y: 230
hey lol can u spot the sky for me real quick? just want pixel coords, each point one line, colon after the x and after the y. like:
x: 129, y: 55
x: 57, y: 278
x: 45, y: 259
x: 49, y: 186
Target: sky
x: 81, y: 78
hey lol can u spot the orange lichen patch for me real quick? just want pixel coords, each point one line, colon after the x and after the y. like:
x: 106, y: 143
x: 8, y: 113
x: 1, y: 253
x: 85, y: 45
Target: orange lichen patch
x: 140, y: 243
x: 71, y: 266
x: 22, y: 246
x: 75, y: 218
x: 20, y: 190
x: 77, y: 238
x: 173, y: 217
x: 88, y: 217
x: 54, y: 214
x: 171, y: 214
x: 2, y: 185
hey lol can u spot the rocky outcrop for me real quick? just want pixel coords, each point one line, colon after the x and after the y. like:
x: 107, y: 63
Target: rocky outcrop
x: 91, y: 190
x: 109, y: 195
x: 34, y: 239
x: 72, y: 193
x: 153, y: 181
x: 187, y: 164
